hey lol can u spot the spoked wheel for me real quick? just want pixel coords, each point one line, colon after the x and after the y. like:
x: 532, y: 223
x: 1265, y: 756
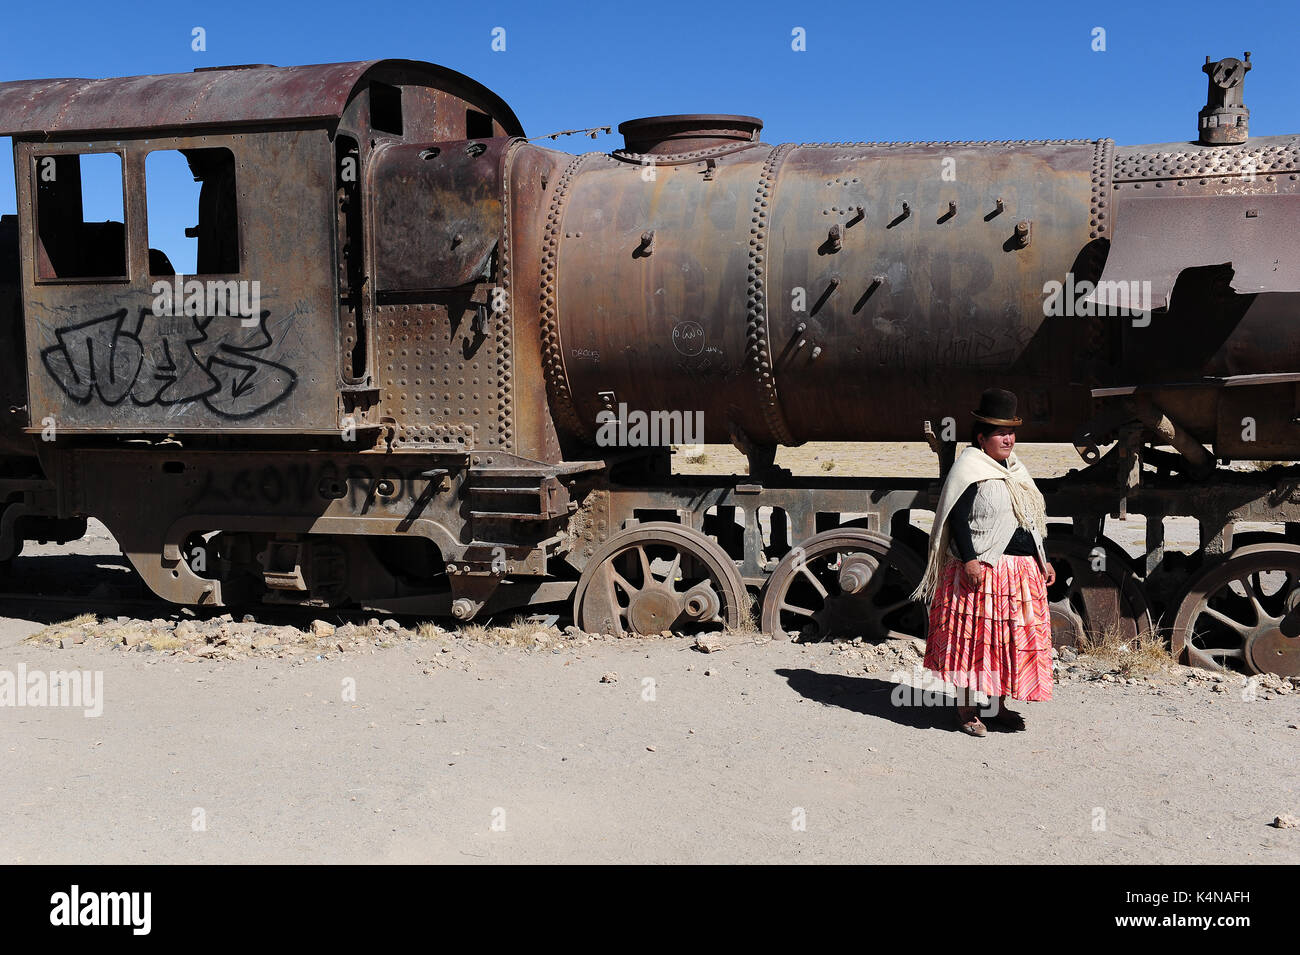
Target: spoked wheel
x: 659, y: 576
x: 1097, y: 592
x: 1242, y: 612
x: 845, y: 582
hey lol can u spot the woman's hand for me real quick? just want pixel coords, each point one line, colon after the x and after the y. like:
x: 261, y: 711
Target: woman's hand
x: 1050, y: 577
x: 973, y: 572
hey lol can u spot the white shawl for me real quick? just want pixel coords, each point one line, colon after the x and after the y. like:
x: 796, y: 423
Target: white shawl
x: 974, y: 465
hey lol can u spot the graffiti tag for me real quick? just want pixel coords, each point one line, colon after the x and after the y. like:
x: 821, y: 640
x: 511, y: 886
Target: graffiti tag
x: 168, y: 360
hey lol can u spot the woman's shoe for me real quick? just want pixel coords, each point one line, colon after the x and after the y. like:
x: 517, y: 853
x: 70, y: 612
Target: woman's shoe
x: 969, y: 722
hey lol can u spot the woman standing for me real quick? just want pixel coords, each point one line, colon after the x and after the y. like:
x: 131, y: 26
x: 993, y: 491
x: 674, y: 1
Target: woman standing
x: 987, y: 576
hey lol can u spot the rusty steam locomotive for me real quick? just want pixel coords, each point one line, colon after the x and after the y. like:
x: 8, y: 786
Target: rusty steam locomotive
x: 406, y: 411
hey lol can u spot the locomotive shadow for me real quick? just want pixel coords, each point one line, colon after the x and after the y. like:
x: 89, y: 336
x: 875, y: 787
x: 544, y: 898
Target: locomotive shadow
x: 36, y: 586
x: 42, y: 574
x: 870, y: 697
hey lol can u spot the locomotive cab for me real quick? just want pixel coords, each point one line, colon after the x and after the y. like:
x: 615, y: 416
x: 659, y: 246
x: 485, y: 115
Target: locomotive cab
x: 272, y: 335
x: 117, y: 341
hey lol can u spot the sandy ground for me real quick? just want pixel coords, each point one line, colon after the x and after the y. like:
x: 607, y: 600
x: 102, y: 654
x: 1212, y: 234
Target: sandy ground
x: 456, y: 751
x: 734, y: 749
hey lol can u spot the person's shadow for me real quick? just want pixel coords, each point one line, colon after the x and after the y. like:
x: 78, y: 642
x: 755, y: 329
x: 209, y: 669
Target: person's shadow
x: 919, y: 707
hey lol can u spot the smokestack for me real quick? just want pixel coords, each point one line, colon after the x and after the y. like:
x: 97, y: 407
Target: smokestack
x: 1225, y: 120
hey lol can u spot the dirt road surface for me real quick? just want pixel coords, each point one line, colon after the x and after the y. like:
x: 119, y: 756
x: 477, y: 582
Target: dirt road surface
x: 456, y: 752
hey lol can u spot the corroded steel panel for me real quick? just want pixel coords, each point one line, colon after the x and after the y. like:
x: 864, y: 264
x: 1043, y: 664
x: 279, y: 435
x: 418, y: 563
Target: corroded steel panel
x: 440, y: 377
x: 1160, y: 236
x: 664, y: 329
x: 531, y: 178
x: 454, y: 189
x: 1210, y: 232
x: 219, y: 97
x: 910, y: 315
x: 825, y: 292
x: 110, y: 356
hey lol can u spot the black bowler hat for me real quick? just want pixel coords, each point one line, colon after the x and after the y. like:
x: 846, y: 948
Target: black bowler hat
x: 998, y: 406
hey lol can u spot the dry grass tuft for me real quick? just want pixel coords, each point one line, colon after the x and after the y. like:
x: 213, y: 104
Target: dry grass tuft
x: 429, y: 631
x: 475, y: 631
x: 57, y: 631
x: 748, y: 619
x: 747, y: 628
x: 1148, y: 654
x: 520, y: 633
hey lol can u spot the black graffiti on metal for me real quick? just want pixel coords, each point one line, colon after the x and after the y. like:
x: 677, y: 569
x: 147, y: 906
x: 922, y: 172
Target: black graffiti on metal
x: 168, y: 360
x: 301, y: 484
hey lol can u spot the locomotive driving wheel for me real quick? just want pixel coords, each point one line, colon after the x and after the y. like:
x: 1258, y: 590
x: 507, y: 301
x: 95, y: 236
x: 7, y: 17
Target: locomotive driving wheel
x: 1097, y: 592
x: 845, y: 582
x: 1243, y: 612
x: 659, y: 576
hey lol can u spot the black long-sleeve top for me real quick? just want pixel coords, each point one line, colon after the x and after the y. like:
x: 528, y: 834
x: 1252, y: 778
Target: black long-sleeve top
x: 1021, y: 544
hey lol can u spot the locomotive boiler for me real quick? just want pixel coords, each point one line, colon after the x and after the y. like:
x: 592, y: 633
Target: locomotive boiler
x: 390, y: 382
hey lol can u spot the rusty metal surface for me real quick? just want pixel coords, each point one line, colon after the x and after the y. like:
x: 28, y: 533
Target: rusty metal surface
x: 907, y: 318
x: 675, y: 135
x: 1212, y: 230
x: 103, y: 356
x: 1264, y: 154
x: 457, y: 188
x: 1093, y: 597
x: 656, y: 577
x: 759, y: 524
x: 1160, y: 236
x: 848, y: 583
x: 218, y: 97
x: 254, y: 493
x: 1225, y: 118
x: 532, y: 177
x: 440, y: 376
x: 1103, y: 168
x: 13, y: 374
x: 1241, y: 610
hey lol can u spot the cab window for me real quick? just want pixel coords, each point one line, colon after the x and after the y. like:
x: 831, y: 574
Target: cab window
x: 193, y: 213
x: 80, y: 224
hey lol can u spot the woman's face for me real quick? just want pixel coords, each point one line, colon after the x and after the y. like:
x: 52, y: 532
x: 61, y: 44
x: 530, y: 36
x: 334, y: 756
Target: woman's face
x: 999, y: 444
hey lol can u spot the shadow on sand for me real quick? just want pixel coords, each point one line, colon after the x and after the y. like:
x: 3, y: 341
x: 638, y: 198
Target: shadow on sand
x: 896, y: 702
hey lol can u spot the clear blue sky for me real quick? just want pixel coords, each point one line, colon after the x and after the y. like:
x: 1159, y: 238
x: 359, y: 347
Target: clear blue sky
x: 930, y: 70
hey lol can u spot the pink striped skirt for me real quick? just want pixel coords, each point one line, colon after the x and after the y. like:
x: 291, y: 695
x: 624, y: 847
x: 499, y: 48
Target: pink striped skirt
x: 996, y: 639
